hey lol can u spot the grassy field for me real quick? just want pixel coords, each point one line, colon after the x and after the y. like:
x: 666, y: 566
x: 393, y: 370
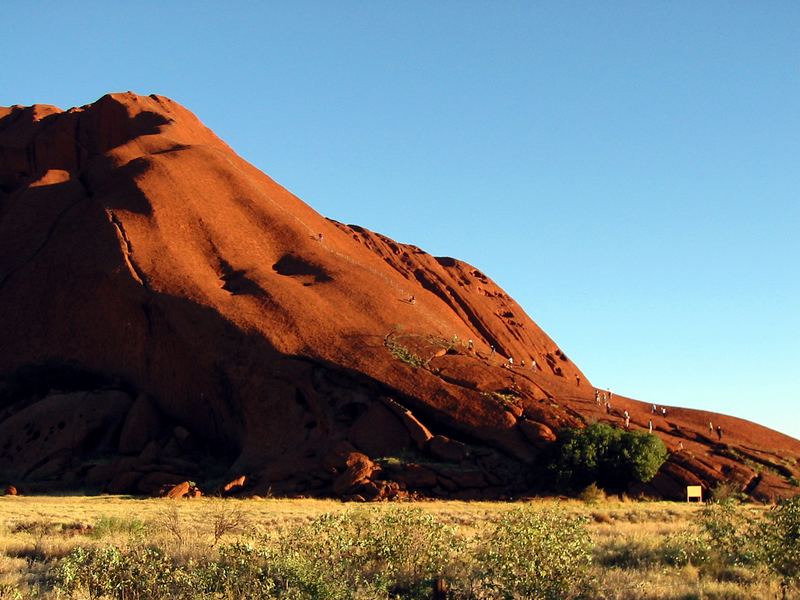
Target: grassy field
x: 328, y: 549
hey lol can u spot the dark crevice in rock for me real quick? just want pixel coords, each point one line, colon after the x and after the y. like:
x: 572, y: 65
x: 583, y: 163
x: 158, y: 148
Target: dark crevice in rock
x: 134, y: 269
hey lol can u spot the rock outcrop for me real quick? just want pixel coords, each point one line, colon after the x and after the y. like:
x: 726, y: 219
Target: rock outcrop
x: 171, y: 314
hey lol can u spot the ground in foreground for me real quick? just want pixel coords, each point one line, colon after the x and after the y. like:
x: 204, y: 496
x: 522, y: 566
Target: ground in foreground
x: 106, y: 546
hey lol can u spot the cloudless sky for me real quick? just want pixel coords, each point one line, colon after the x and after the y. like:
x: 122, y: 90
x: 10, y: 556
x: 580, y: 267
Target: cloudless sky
x: 628, y: 171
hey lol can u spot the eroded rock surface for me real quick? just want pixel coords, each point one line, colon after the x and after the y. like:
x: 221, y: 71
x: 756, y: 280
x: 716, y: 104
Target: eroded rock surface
x: 171, y: 314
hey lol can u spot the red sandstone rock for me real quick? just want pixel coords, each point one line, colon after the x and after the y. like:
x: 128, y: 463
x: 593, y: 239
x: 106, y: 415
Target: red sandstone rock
x: 446, y: 449
x: 378, y: 432
x: 359, y: 469
x: 337, y: 456
x: 415, y: 476
x: 234, y: 484
x: 537, y: 433
x: 142, y: 424
x: 137, y: 247
x: 180, y: 490
x: 127, y: 483
x: 10, y: 490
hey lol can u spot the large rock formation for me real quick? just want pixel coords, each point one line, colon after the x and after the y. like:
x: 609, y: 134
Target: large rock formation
x: 171, y: 314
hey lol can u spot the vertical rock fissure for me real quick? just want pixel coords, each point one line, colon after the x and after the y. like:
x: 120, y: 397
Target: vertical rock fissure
x: 127, y: 247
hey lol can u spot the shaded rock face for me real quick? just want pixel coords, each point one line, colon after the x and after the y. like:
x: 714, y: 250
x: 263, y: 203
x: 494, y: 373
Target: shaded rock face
x: 171, y: 314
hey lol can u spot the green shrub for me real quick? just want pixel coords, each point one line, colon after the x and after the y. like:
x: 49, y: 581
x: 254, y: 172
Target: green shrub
x: 684, y: 548
x: 611, y: 457
x: 371, y: 553
x: 727, y: 490
x: 780, y: 535
x: 107, y: 526
x: 403, y: 354
x: 240, y: 572
x: 543, y: 554
x: 731, y: 534
x: 110, y: 572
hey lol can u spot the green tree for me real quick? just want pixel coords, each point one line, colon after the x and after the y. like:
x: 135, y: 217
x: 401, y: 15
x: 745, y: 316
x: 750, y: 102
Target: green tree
x: 614, y: 458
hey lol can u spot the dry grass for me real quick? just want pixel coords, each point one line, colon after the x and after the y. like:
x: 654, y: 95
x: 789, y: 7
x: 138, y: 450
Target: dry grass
x: 35, y: 532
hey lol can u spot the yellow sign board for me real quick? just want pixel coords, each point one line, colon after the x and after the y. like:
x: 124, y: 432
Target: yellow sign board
x: 694, y: 492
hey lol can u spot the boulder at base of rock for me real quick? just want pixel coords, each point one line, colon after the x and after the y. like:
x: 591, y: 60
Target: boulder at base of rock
x: 359, y: 469
x: 418, y: 432
x: 234, y: 485
x: 538, y: 434
x: 185, y: 489
x: 446, y: 449
x: 378, y: 432
x: 416, y: 476
x: 336, y: 457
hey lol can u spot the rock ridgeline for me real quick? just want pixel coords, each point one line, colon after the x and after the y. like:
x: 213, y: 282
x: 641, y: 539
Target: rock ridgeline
x: 171, y: 315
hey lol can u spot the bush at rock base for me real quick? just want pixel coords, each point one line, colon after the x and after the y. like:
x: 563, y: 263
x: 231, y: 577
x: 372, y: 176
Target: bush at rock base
x: 611, y: 457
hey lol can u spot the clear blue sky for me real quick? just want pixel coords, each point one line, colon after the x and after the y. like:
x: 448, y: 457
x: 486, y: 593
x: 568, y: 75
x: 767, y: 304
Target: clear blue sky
x: 628, y: 171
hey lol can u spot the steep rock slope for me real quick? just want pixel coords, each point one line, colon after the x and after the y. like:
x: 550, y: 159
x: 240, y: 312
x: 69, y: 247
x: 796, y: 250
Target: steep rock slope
x: 170, y: 312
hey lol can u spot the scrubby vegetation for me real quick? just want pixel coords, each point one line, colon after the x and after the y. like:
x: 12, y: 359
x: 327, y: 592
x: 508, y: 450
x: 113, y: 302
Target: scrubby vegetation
x: 325, y: 549
x: 610, y: 457
x: 397, y: 553
x: 403, y: 353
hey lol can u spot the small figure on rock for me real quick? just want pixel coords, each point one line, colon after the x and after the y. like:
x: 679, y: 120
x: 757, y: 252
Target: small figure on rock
x: 412, y: 299
x: 710, y: 428
x: 719, y: 433
x: 663, y: 411
x: 470, y: 344
x: 577, y: 380
x: 320, y: 237
x: 627, y: 419
x: 597, y: 397
x: 680, y: 445
x: 522, y: 363
x: 533, y: 364
x: 510, y: 362
x: 650, y: 425
x: 492, y: 352
x: 655, y: 410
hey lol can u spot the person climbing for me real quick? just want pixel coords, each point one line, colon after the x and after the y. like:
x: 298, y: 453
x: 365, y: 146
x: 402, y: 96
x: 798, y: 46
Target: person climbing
x: 320, y: 237
x: 650, y: 425
x: 627, y: 419
x: 577, y: 380
x: 510, y: 362
x: 710, y: 428
x: 597, y: 397
x: 522, y: 363
x: 655, y: 410
x: 608, y: 407
x: 412, y: 299
x: 533, y: 364
x: 663, y: 411
x: 470, y: 344
x: 492, y: 352
x: 719, y: 433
